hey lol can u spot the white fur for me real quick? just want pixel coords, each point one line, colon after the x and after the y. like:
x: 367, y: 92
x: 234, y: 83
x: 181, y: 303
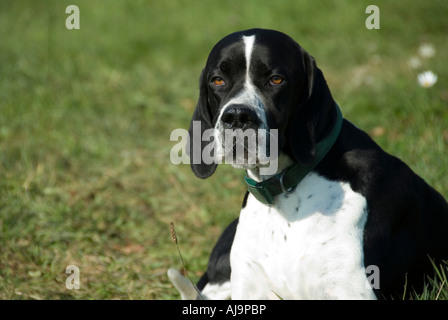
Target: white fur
x: 248, y: 48
x: 217, y: 291
x: 308, y: 245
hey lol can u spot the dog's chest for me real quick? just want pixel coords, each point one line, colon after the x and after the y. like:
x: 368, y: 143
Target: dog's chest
x: 308, y: 245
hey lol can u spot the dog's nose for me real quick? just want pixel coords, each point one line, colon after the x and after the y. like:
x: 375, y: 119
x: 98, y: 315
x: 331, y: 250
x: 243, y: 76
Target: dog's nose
x: 239, y: 116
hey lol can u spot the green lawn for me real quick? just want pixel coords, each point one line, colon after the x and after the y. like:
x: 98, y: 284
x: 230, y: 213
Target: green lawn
x: 86, y: 117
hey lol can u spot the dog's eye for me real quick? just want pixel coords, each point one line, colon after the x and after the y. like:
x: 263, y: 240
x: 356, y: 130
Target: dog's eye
x: 217, y: 81
x: 275, y: 80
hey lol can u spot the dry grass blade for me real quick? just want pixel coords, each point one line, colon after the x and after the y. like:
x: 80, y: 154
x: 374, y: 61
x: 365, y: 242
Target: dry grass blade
x: 174, y: 240
x: 440, y: 290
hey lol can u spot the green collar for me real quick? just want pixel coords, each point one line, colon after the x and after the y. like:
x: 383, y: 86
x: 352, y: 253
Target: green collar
x: 287, y: 180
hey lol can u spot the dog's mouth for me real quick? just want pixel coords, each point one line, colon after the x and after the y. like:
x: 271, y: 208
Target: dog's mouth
x: 242, y: 156
x: 247, y: 149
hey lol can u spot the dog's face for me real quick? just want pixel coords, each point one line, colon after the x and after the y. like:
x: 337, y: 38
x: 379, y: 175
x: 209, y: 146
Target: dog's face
x: 256, y: 81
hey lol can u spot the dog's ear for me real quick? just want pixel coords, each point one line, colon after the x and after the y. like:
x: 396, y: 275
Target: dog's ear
x: 312, y: 117
x: 203, y: 118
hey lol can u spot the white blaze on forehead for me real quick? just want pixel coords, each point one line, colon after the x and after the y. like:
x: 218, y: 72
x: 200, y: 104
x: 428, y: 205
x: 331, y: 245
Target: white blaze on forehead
x: 250, y: 93
x: 249, y: 45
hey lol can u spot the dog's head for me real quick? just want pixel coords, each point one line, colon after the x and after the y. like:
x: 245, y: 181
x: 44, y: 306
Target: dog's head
x: 256, y: 81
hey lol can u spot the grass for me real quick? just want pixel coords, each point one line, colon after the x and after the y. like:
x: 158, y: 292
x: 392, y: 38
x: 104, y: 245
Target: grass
x: 435, y: 285
x: 85, y: 119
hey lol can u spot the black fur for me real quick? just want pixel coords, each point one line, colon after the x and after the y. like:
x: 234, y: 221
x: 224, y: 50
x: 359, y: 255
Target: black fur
x: 218, y: 270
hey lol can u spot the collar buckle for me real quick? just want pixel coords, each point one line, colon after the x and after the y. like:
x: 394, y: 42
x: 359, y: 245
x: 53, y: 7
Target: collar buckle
x: 284, y: 190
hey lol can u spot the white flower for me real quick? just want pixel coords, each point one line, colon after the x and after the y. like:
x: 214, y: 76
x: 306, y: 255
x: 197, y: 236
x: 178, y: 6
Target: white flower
x: 427, y: 79
x: 426, y: 50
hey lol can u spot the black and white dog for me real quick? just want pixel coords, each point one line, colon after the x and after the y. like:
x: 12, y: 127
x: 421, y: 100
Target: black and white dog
x: 337, y: 210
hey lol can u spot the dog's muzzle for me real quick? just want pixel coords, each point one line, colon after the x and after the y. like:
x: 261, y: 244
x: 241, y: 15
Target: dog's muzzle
x: 239, y: 135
